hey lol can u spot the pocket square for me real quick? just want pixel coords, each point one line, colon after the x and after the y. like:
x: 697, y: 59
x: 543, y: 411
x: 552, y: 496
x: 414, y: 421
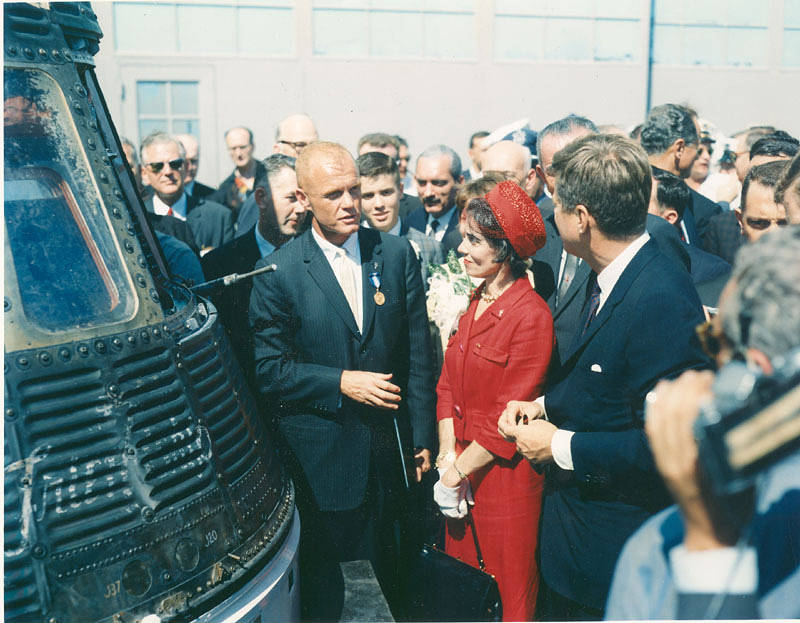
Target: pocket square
x: 596, y: 367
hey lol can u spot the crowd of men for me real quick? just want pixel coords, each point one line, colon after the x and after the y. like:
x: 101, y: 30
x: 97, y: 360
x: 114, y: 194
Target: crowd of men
x: 336, y: 343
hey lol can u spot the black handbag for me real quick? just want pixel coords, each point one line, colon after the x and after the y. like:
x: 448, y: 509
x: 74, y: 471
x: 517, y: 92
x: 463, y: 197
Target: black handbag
x: 443, y: 588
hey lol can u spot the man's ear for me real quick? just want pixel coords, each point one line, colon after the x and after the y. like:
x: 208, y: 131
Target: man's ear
x: 400, y: 187
x: 585, y: 220
x: 302, y: 198
x: 671, y: 216
x: 739, y: 218
x: 679, y: 146
x: 260, y: 195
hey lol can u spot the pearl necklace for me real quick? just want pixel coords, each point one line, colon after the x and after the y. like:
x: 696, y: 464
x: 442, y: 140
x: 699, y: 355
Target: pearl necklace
x: 487, y: 298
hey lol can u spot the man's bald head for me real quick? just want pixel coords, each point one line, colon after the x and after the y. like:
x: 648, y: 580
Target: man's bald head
x: 293, y: 134
x: 509, y: 158
x: 318, y: 156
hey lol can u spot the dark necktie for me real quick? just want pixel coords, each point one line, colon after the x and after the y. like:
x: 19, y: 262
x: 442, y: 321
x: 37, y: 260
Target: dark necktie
x: 594, y: 303
x: 434, y: 227
x: 567, y: 276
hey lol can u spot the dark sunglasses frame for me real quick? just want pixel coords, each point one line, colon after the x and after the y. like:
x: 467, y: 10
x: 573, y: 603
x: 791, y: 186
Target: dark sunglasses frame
x: 764, y: 223
x: 175, y: 165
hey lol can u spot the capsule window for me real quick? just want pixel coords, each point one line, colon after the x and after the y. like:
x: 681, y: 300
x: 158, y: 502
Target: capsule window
x: 65, y: 259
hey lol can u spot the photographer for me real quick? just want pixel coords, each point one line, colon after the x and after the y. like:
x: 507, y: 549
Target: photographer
x: 713, y: 557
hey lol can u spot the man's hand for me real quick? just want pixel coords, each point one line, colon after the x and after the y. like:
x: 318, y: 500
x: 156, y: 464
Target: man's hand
x: 422, y: 459
x: 517, y: 412
x: 533, y: 440
x: 370, y: 388
x: 672, y: 408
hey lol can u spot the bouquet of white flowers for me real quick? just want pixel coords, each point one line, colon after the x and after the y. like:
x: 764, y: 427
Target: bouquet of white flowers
x: 449, y: 292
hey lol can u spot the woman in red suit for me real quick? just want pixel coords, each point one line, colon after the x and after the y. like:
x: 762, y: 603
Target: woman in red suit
x: 499, y: 353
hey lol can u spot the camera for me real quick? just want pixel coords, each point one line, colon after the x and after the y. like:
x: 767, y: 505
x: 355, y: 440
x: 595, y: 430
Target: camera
x: 752, y: 423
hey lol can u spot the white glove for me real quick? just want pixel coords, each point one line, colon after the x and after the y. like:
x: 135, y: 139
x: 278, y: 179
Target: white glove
x: 453, y: 501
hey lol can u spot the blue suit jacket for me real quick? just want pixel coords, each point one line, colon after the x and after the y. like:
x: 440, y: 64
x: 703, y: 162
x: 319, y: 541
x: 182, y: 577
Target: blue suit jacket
x: 305, y: 335
x: 643, y: 332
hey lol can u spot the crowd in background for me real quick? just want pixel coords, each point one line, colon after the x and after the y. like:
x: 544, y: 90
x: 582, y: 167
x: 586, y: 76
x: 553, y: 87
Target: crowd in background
x: 566, y: 271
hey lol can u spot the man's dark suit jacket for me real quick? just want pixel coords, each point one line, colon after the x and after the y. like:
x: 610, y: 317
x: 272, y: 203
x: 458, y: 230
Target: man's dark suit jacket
x: 703, y: 210
x: 228, y: 194
x: 568, y: 309
x: 211, y: 224
x: 709, y: 274
x: 305, y: 336
x: 700, y: 211
x: 171, y: 226
x: 645, y: 331
x: 408, y: 204
x: 724, y: 236
x: 418, y: 219
x: 201, y: 191
x: 237, y: 256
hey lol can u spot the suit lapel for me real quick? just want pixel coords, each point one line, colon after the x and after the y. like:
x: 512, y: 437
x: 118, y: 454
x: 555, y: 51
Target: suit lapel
x: 452, y: 236
x: 371, y: 262
x: 321, y: 272
x: 577, y: 286
x: 626, y: 279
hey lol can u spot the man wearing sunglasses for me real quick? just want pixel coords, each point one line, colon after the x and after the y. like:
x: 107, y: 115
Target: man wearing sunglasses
x: 724, y: 234
x: 758, y: 213
x: 164, y: 168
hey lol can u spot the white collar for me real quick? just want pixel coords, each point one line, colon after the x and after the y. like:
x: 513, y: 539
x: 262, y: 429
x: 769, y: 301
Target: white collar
x: 395, y: 231
x: 179, y: 208
x: 330, y: 250
x: 608, y: 277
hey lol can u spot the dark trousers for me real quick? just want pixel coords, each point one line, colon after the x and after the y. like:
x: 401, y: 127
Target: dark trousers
x: 368, y: 532
x: 552, y: 606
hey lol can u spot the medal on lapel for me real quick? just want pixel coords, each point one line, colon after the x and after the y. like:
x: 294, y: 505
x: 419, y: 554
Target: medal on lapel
x: 375, y: 279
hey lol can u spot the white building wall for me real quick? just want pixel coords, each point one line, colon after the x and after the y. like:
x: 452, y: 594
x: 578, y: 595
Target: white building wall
x: 442, y: 100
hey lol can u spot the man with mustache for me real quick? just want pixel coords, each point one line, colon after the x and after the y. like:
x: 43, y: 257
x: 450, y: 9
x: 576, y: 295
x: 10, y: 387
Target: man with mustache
x: 438, y: 177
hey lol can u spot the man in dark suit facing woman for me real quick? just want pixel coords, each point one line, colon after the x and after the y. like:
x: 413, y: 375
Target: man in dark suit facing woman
x: 342, y: 346
x: 637, y: 327
x: 280, y: 218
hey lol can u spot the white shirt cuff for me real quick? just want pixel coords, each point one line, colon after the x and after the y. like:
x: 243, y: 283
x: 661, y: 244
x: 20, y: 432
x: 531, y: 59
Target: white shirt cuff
x: 561, y: 448
x: 540, y: 401
x: 715, y: 570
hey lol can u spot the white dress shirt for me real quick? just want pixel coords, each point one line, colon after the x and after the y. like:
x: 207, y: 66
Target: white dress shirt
x: 444, y: 221
x: 178, y: 208
x: 353, y: 257
x: 561, y: 444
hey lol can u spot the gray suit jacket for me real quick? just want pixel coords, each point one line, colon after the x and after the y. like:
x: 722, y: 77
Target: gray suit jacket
x: 428, y: 250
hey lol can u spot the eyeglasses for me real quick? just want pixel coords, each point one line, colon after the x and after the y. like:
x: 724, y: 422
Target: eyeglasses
x: 764, y: 223
x: 175, y: 165
x: 298, y: 147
